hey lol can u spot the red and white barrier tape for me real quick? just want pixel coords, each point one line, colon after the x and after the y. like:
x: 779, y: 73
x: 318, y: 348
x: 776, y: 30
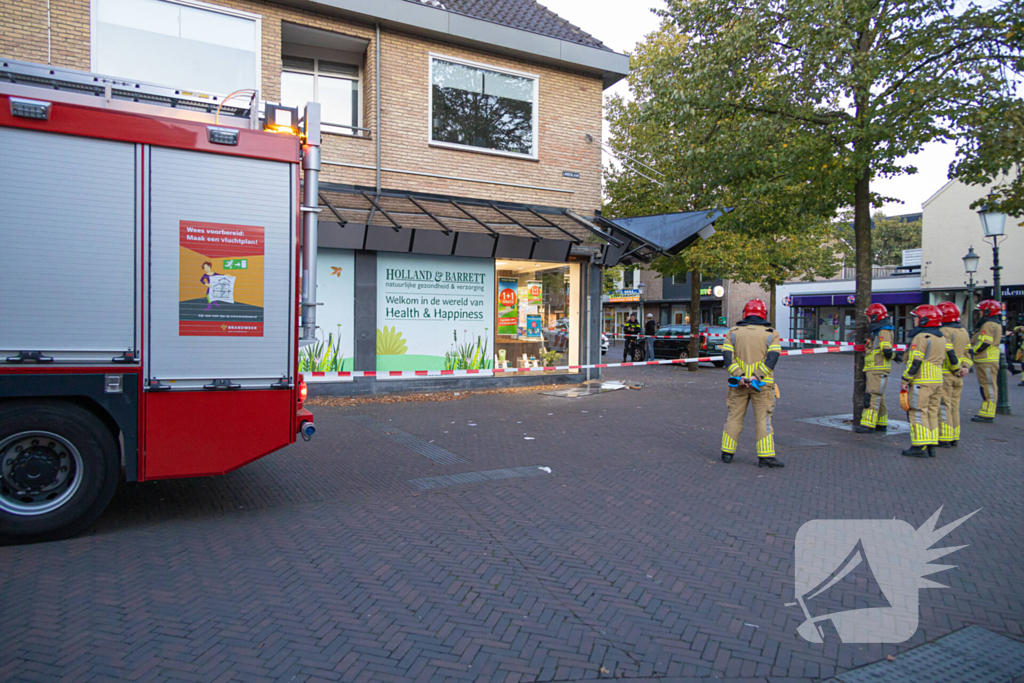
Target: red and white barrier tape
x: 313, y: 377
x: 328, y: 376
x: 816, y: 342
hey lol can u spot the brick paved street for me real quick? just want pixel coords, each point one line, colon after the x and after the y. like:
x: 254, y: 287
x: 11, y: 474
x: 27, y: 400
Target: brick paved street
x: 639, y: 556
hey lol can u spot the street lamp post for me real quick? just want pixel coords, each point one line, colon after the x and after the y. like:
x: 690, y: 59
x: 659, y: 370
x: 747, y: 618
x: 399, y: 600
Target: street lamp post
x: 642, y: 287
x: 993, y: 223
x: 970, y: 267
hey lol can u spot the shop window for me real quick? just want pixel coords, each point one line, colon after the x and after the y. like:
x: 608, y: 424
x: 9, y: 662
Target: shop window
x: 187, y: 45
x: 473, y: 106
x: 537, y: 314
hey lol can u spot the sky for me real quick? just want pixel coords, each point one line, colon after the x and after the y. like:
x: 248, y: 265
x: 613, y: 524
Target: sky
x: 621, y: 24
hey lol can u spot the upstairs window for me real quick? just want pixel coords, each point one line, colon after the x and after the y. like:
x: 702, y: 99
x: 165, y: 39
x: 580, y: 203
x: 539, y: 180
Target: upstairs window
x: 334, y: 85
x: 482, y: 108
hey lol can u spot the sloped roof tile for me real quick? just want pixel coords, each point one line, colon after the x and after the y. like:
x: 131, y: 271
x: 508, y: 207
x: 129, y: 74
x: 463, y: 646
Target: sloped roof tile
x: 526, y: 15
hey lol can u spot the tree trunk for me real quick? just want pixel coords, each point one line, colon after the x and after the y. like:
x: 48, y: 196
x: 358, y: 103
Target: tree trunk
x: 694, y: 319
x: 862, y: 232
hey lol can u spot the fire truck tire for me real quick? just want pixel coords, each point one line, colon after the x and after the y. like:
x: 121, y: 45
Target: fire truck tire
x: 59, y: 468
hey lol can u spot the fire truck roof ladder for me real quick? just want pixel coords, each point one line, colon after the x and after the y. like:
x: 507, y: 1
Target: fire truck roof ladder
x: 118, y: 89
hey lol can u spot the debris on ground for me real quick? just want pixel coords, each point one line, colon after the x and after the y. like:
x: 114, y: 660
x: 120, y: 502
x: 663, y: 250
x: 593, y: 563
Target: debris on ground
x: 432, y: 397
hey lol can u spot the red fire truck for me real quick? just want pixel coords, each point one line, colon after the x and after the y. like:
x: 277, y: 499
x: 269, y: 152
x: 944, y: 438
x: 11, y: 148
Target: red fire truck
x: 151, y: 308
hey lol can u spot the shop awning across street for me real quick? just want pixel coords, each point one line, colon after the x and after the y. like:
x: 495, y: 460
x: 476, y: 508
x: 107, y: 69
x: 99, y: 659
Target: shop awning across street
x: 890, y: 298
x: 355, y: 217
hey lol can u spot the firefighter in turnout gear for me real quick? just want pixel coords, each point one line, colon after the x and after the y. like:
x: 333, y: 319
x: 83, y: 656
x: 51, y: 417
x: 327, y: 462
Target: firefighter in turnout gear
x: 928, y: 352
x: 952, y: 377
x: 985, y: 349
x: 877, y: 366
x: 751, y: 351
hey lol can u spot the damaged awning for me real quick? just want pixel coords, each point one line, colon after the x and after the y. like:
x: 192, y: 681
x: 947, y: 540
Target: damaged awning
x: 354, y: 217
x: 645, y: 237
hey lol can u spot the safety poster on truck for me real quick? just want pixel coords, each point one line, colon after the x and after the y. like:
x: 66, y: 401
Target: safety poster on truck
x: 220, y: 280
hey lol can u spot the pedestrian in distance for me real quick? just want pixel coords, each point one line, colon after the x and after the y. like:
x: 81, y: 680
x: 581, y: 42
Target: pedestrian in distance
x: 632, y: 332
x: 928, y: 352
x: 953, y: 378
x: 985, y: 351
x: 751, y: 351
x: 877, y: 366
x: 650, y: 329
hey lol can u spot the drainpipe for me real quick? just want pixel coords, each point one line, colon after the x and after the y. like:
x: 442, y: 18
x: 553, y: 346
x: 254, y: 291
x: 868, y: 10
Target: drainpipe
x: 589, y: 294
x: 376, y: 46
x: 310, y: 208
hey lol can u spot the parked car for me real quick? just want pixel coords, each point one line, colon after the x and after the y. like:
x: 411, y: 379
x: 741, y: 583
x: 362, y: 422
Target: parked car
x: 673, y: 342
x: 604, y: 343
x: 557, y: 336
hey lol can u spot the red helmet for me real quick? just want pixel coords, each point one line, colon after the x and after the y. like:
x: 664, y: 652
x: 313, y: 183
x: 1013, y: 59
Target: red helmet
x: 928, y: 315
x: 950, y: 312
x: 755, y: 307
x: 877, y: 312
x: 990, y: 307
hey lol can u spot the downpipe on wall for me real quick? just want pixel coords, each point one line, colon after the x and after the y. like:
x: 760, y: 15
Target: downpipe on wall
x: 310, y: 208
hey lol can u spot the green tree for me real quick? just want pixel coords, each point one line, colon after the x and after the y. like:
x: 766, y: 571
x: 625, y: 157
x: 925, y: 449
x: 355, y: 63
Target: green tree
x: 889, y: 237
x: 776, y: 231
x: 858, y: 84
x: 994, y: 154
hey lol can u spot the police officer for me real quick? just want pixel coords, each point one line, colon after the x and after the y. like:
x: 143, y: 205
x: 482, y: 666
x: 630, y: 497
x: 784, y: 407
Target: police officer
x: 928, y: 351
x: 632, y: 332
x: 953, y: 378
x: 751, y: 352
x: 877, y: 366
x: 985, y: 348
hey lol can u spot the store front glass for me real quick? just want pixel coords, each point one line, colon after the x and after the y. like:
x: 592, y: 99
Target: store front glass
x: 537, y: 314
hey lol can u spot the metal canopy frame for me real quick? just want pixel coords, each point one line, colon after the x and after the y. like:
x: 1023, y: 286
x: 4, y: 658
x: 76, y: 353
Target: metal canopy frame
x: 351, y: 204
x: 419, y: 222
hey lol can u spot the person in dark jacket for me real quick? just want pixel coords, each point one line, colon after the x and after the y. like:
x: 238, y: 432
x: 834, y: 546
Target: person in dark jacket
x: 650, y: 329
x: 632, y: 331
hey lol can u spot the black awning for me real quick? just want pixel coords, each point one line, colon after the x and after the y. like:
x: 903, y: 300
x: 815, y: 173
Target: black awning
x: 354, y: 217
x: 646, y: 237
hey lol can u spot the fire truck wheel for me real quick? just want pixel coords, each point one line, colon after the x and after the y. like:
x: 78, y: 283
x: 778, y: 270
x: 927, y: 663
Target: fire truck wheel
x: 59, y: 468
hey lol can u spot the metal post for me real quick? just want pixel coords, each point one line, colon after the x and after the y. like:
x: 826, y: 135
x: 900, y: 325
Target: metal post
x: 310, y: 209
x: 970, y: 304
x: 376, y: 97
x: 1003, y: 400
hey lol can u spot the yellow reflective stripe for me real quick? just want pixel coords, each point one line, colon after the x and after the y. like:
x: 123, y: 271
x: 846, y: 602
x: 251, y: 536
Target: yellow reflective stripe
x: 728, y: 443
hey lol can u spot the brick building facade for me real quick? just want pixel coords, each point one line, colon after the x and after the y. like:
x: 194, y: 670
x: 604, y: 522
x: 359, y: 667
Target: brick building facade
x: 570, y: 95
x: 496, y: 106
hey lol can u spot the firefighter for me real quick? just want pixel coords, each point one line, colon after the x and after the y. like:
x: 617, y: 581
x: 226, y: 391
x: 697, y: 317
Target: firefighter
x: 985, y: 349
x: 877, y: 366
x: 632, y: 333
x: 953, y: 377
x: 1018, y: 336
x: 751, y: 351
x: 928, y: 351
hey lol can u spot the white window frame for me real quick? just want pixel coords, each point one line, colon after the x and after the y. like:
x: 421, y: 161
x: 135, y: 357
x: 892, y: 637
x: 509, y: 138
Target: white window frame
x: 534, y: 154
x: 316, y: 54
x: 257, y: 18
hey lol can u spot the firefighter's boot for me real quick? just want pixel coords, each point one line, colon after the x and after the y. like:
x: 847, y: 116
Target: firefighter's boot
x: 986, y: 420
x: 931, y: 451
x: 861, y: 429
x: 726, y: 457
x: 882, y: 429
x: 916, y: 452
x: 769, y: 462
